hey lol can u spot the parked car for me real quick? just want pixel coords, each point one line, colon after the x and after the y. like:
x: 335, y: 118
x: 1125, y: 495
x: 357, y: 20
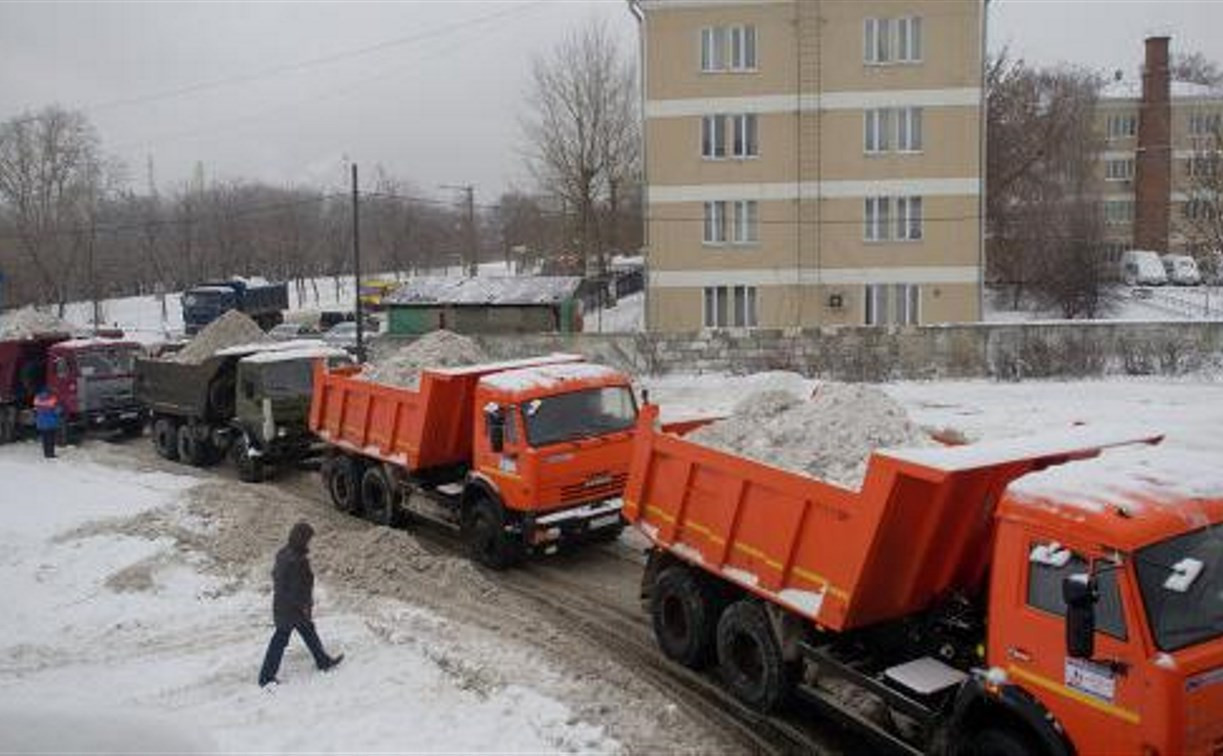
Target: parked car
x: 1182, y: 270
x: 1141, y: 267
x: 292, y: 331
x: 343, y: 335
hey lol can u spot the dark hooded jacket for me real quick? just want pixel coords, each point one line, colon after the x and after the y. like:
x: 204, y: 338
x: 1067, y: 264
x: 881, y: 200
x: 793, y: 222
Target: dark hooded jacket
x: 293, y: 580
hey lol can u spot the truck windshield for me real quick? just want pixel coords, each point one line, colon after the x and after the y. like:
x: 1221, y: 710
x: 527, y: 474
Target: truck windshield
x: 579, y: 414
x: 107, y: 363
x: 1182, y: 586
x: 287, y: 379
x: 208, y: 298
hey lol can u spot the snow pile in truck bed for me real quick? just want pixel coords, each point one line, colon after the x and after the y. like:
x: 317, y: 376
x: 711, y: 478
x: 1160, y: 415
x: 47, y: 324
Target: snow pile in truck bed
x: 231, y: 329
x: 829, y: 436
x: 435, y: 349
x: 28, y: 322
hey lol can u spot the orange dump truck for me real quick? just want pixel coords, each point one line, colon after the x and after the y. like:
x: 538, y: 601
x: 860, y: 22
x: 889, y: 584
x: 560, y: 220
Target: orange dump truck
x: 934, y: 610
x: 519, y: 456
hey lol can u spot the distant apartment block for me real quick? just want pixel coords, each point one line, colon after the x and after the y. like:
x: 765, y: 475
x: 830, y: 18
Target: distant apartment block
x: 812, y: 162
x: 1155, y: 175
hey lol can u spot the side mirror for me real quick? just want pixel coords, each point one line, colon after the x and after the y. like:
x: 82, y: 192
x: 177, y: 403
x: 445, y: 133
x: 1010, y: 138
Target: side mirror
x: 1080, y: 593
x: 494, y: 418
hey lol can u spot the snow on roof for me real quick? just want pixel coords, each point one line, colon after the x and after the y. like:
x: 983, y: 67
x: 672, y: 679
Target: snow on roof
x: 210, y: 290
x: 517, y: 290
x: 93, y: 342
x: 1130, y: 89
x: 546, y: 376
x: 1074, y: 440
x: 307, y: 352
x: 272, y: 346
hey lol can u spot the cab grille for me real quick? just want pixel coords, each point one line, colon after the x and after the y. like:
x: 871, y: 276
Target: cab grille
x: 597, y: 486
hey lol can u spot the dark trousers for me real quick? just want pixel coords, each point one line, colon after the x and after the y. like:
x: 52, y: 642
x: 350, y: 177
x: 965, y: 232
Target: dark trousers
x: 48, y: 442
x: 280, y: 639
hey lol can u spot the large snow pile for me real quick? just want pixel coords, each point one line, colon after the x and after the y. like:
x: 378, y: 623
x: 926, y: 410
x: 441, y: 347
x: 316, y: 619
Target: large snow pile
x: 435, y: 349
x: 231, y: 329
x: 830, y: 436
x: 28, y: 322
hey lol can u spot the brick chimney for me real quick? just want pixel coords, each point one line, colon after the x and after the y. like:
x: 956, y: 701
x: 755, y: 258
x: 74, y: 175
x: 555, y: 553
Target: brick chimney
x: 1153, y: 163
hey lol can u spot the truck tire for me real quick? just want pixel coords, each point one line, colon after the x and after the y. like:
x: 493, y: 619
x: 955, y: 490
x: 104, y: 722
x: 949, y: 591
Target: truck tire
x: 749, y: 657
x: 342, y: 476
x: 684, y: 617
x: 485, y: 536
x: 379, y: 498
x: 194, y: 451
x: 165, y: 438
x: 999, y: 741
x: 8, y: 425
x: 250, y: 466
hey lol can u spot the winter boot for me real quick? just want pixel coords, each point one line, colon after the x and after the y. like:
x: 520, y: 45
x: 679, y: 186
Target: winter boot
x: 332, y: 661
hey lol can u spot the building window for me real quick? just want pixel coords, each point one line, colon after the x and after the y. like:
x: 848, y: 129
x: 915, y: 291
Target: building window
x: 745, y: 136
x: 908, y: 39
x: 895, y: 40
x: 735, y: 222
x: 1204, y: 124
x: 1119, y: 170
x: 730, y: 306
x: 908, y: 218
x: 715, y: 222
x: 1122, y: 126
x: 897, y: 304
x: 744, y: 222
x: 728, y: 48
x: 908, y: 129
x: 876, y: 215
x: 1113, y: 250
x: 1118, y: 212
x: 1202, y: 166
x: 713, y: 137
x: 876, y: 133
x: 1198, y: 208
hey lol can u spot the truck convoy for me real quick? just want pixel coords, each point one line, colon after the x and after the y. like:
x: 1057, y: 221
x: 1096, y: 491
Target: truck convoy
x: 264, y: 303
x: 975, y: 620
x: 92, y: 378
x: 250, y: 401
x: 519, y: 456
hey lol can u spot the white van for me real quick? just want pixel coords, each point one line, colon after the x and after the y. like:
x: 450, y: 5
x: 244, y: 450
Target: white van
x: 1182, y: 270
x: 1140, y: 267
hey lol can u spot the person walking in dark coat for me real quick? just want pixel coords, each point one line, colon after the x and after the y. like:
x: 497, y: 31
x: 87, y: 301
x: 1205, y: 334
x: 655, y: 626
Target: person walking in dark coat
x: 293, y: 605
x: 46, y: 419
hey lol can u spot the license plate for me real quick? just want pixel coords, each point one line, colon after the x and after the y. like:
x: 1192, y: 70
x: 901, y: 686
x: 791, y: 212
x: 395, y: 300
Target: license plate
x: 604, y: 521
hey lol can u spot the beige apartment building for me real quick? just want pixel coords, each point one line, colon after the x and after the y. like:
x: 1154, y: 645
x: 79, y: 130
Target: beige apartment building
x: 1154, y: 175
x: 812, y: 162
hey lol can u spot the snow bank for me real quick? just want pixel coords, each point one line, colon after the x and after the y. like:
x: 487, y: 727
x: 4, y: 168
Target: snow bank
x: 830, y: 436
x: 435, y: 349
x: 29, y: 322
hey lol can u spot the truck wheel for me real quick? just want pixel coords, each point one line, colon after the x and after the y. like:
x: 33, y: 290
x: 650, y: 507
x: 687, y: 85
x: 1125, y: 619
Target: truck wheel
x: 343, y: 484
x: 999, y: 741
x: 486, y: 536
x: 132, y: 429
x: 8, y: 425
x: 165, y: 438
x: 379, y: 499
x: 250, y: 466
x: 192, y: 450
x: 749, y: 657
x: 683, y: 616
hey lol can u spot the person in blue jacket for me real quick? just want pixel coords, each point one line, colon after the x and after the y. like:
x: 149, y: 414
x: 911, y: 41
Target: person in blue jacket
x: 47, y: 414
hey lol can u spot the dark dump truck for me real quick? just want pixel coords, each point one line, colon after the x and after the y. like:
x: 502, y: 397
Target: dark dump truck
x: 92, y: 378
x: 264, y: 303
x: 248, y: 402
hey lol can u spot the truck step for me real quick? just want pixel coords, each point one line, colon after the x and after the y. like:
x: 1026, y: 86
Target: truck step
x: 882, y: 737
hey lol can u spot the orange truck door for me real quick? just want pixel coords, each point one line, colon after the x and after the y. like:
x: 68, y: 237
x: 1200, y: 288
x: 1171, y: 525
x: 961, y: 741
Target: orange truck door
x: 1098, y: 701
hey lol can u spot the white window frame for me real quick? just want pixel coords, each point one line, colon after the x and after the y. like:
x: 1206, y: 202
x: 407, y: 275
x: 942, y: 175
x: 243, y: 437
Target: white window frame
x: 1118, y: 212
x: 713, y: 137
x: 877, y: 41
x: 1119, y: 169
x: 1122, y: 126
x: 909, y: 130
x: 745, y: 136
x: 877, y: 219
x: 876, y: 130
x: 909, y: 224
x: 1204, y: 123
x: 744, y: 222
x: 891, y: 304
x: 907, y: 47
x: 715, y: 226
x: 742, y: 48
x: 714, y: 49
x: 729, y: 307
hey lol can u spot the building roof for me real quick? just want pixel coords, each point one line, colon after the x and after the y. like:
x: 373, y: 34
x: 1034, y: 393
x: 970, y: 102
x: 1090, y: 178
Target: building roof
x: 1131, y: 89
x: 520, y: 290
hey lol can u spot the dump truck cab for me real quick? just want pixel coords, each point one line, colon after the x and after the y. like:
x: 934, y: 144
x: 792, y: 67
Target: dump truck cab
x: 1108, y: 616
x: 555, y: 437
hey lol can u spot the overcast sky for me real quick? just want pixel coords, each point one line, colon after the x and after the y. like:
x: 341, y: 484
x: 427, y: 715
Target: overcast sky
x: 283, y: 92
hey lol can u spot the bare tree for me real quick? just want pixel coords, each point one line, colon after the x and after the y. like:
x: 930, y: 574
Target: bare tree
x: 582, y: 131
x: 1197, y: 68
x: 1043, y: 236
x: 52, y: 176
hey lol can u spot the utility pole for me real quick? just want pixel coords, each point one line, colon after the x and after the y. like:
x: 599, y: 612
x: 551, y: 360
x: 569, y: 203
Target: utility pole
x: 469, y: 235
x: 356, y: 264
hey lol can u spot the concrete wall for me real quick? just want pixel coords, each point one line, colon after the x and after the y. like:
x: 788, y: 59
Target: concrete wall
x: 1001, y: 351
